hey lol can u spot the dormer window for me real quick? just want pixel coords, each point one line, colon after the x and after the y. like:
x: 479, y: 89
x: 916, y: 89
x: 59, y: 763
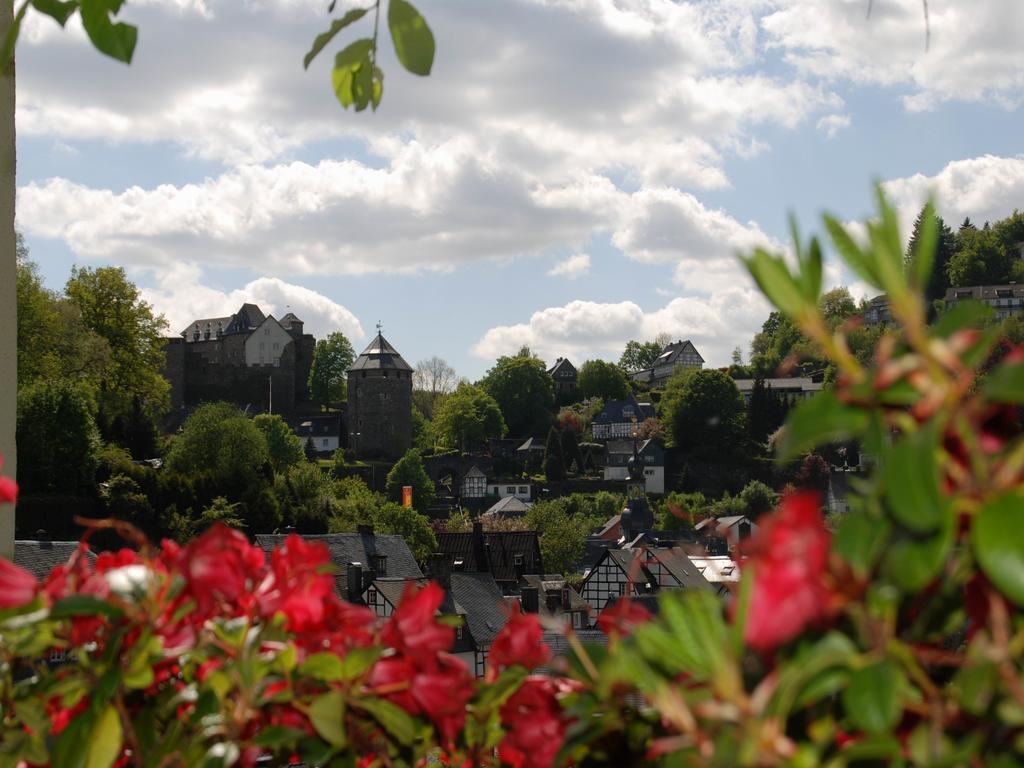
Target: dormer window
x: 380, y: 564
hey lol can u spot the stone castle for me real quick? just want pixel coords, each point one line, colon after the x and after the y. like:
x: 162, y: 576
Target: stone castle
x: 250, y: 359
x: 262, y: 365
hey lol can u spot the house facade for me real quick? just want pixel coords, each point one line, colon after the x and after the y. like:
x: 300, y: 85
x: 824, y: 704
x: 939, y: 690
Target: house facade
x: 652, y: 457
x: 619, y: 418
x: 791, y: 390
x: 564, y: 375
x: 678, y: 354
x: 1005, y: 300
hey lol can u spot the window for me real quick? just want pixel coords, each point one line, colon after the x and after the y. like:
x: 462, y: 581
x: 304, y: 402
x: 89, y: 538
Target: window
x: 577, y: 619
x: 371, y: 596
x: 380, y: 564
x: 458, y: 632
x: 510, y: 489
x: 523, y: 489
x: 276, y: 345
x: 325, y: 442
x: 266, y: 331
x: 518, y: 560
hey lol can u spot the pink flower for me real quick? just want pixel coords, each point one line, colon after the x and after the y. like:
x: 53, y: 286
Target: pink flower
x: 17, y: 586
x: 787, y: 560
x: 412, y: 628
x: 536, y: 727
x: 8, y: 488
x: 622, y: 618
x: 519, y: 642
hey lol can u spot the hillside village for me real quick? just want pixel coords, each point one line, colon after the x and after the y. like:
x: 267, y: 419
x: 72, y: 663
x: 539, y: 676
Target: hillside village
x: 559, y: 487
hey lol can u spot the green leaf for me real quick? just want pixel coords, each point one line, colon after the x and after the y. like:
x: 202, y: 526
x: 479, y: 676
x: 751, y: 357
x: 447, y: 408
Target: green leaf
x: 860, y: 262
x: 912, y: 561
x: 773, y: 276
x: 872, y: 699
x: 68, y: 749
x: 998, y: 541
x: 414, y: 42
x: 358, y: 660
x: 923, y: 256
x: 395, y: 720
x: 82, y: 605
x: 115, y: 40
x: 105, y: 742
x: 820, y: 419
x: 963, y: 314
x: 346, y: 62
x: 324, y: 38
x: 327, y: 713
x: 976, y: 683
x: 860, y: 539
x: 11, y: 39
x: 811, y: 271
x: 1005, y: 384
x: 910, y: 477
x: 59, y: 10
x: 278, y: 736
x: 322, y: 666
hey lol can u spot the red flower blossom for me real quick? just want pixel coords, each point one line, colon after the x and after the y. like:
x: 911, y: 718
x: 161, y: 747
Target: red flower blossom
x: 442, y: 695
x: 392, y: 678
x: 535, y: 724
x: 220, y: 565
x: 787, y: 560
x: 17, y: 586
x: 298, y: 584
x: 622, y: 618
x: 519, y: 642
x: 8, y: 488
x: 412, y: 628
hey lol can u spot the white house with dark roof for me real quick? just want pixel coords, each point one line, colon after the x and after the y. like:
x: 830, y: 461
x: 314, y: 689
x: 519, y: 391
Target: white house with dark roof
x: 651, y: 454
x: 619, y: 418
x: 678, y: 354
x: 791, y: 390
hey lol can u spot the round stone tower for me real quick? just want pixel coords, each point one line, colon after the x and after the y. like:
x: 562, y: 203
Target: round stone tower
x: 380, y: 402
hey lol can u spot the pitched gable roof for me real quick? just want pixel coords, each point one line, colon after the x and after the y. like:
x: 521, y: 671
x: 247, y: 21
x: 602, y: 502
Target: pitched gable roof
x: 361, y: 548
x: 563, y: 369
x: 41, y: 557
x: 481, y: 599
x: 498, y: 555
x: 510, y: 506
x: 380, y: 355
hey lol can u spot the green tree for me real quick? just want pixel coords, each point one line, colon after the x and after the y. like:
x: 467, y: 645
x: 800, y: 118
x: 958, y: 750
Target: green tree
x: 58, y: 443
x: 332, y: 358
x: 562, y: 545
x: 123, y: 498
x: 641, y: 354
x: 837, y: 306
x: 307, y: 498
x: 600, y: 379
x: 524, y: 393
x: 758, y: 499
x: 309, y: 450
x: 284, y: 445
x: 221, y: 440
x: 708, y: 416
x: 140, y: 433
x: 765, y: 412
x: 432, y: 379
x: 571, y: 454
x: 112, y: 307
x: 467, y: 417
x: 409, y: 470
x: 413, y: 527
x: 554, y: 462
x: 938, y: 281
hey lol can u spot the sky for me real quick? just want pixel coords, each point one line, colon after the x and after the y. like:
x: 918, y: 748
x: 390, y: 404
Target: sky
x: 573, y: 174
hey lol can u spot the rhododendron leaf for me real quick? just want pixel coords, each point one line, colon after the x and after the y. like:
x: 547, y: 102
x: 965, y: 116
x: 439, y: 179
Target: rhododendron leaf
x: 322, y: 666
x: 998, y: 541
x: 911, y: 561
x: 495, y: 694
x: 359, y: 660
x: 776, y: 281
x: 327, y: 714
x: 277, y: 736
x: 872, y: 699
x: 695, y: 642
x: 860, y: 261
x: 395, y: 720
x: 910, y: 476
x: 860, y: 539
x: 816, y: 671
x: 1006, y: 384
x: 964, y: 314
x: 976, y: 683
x: 82, y: 605
x: 820, y: 419
x: 104, y: 745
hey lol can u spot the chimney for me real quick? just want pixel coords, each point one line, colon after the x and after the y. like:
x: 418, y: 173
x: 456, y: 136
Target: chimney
x: 566, y: 599
x: 439, y: 569
x: 480, y: 550
x: 354, y: 582
x: 529, y: 598
x: 369, y: 544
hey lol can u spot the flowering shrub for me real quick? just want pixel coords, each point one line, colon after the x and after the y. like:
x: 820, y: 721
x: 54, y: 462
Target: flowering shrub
x: 897, y: 639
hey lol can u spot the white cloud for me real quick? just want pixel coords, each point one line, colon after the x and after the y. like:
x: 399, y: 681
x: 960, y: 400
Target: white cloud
x: 572, y: 267
x: 586, y: 329
x: 181, y: 297
x: 984, y: 188
x: 974, y: 52
x: 831, y: 125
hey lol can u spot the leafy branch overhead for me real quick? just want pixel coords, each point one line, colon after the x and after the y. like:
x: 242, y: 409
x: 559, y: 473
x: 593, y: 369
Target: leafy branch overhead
x: 114, y: 38
x: 356, y: 79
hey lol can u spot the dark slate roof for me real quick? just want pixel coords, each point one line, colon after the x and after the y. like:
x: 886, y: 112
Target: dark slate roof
x: 501, y: 547
x: 563, y: 369
x: 616, y: 411
x: 509, y: 506
x: 41, y: 557
x: 674, y: 351
x: 555, y: 582
x: 213, y: 322
x: 380, y: 355
x: 533, y: 444
x: 674, y: 560
x: 481, y: 599
x: 348, y: 548
x: 288, y: 319
x: 246, y: 319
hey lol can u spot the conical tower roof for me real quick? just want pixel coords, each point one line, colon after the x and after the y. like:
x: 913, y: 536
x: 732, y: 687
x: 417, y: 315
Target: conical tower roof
x: 380, y: 355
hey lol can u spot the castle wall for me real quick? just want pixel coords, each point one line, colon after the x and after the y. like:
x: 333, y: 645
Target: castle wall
x: 380, y: 411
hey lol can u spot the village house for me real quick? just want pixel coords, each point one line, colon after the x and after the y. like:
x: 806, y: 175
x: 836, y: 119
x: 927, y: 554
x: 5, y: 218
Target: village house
x: 619, y: 418
x: 1005, y: 300
x: 679, y: 354
x: 790, y: 390
x: 651, y: 454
